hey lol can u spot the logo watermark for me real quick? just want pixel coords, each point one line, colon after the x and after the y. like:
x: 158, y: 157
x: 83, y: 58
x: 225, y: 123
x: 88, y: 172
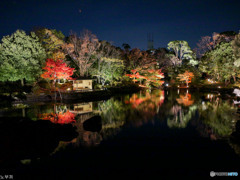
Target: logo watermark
x: 6, y: 176
x: 212, y: 173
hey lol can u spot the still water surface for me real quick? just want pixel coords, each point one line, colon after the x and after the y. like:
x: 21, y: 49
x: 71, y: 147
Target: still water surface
x: 163, y: 133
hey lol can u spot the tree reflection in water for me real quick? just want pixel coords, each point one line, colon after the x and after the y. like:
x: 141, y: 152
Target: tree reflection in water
x: 181, y: 116
x: 181, y: 113
x: 212, y: 116
x: 219, y: 115
x: 112, y: 115
x: 144, y: 106
x: 185, y: 100
x: 137, y: 109
x: 60, y: 115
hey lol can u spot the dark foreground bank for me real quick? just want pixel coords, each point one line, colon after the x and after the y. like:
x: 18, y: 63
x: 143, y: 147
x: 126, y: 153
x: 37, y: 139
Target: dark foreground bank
x: 133, y: 153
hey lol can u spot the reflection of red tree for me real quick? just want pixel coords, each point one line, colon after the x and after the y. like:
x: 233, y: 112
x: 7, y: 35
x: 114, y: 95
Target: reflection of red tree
x: 147, y: 105
x: 135, y: 100
x: 60, y: 118
x: 152, y: 99
x: 185, y: 100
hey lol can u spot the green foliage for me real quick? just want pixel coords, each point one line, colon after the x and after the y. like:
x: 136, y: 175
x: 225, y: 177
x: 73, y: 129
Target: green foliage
x: 58, y: 34
x: 112, y: 113
x: 51, y: 39
x: 174, y: 71
x: 21, y: 57
x: 236, y: 49
x: 108, y: 70
x: 193, y: 62
x: 182, y: 51
x: 180, y: 117
x: 108, y: 66
x: 219, y: 116
x: 219, y: 63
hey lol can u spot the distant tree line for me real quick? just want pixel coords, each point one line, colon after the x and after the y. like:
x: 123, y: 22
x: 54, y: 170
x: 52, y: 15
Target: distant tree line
x: 23, y: 57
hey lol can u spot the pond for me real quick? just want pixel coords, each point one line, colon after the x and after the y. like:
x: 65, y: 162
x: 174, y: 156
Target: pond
x: 164, y: 133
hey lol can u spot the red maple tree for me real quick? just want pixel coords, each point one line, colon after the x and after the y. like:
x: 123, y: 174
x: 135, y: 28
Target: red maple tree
x: 150, y: 76
x: 57, y: 69
x: 135, y: 75
x: 186, y: 76
x: 154, y: 76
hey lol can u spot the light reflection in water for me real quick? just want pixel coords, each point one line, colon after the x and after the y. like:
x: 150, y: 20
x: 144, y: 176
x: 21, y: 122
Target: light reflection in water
x: 185, y: 100
x: 144, y: 106
x: 61, y: 115
x: 213, y: 117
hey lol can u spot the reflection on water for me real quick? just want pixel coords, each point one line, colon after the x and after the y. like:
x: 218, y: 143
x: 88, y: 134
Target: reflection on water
x: 185, y: 100
x: 81, y: 108
x: 98, y: 121
x: 219, y: 115
x: 144, y: 106
x: 60, y: 115
x: 182, y: 111
x: 181, y: 116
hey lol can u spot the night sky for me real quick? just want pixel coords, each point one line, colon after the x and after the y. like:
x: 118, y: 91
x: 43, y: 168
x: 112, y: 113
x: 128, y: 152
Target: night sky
x: 126, y: 21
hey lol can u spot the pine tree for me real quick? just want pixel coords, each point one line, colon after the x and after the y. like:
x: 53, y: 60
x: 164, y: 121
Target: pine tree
x: 21, y: 57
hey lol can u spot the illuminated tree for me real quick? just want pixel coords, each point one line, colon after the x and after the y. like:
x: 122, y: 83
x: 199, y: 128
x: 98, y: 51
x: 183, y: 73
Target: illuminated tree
x: 21, y: 57
x: 109, y: 66
x: 182, y: 51
x: 58, y: 55
x: 82, y: 50
x: 236, y: 49
x: 113, y: 70
x: 140, y: 60
x: 207, y: 43
x: 154, y: 77
x: 151, y: 77
x: 51, y: 39
x: 57, y: 70
x: 187, y: 77
x: 135, y: 75
x: 219, y: 63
